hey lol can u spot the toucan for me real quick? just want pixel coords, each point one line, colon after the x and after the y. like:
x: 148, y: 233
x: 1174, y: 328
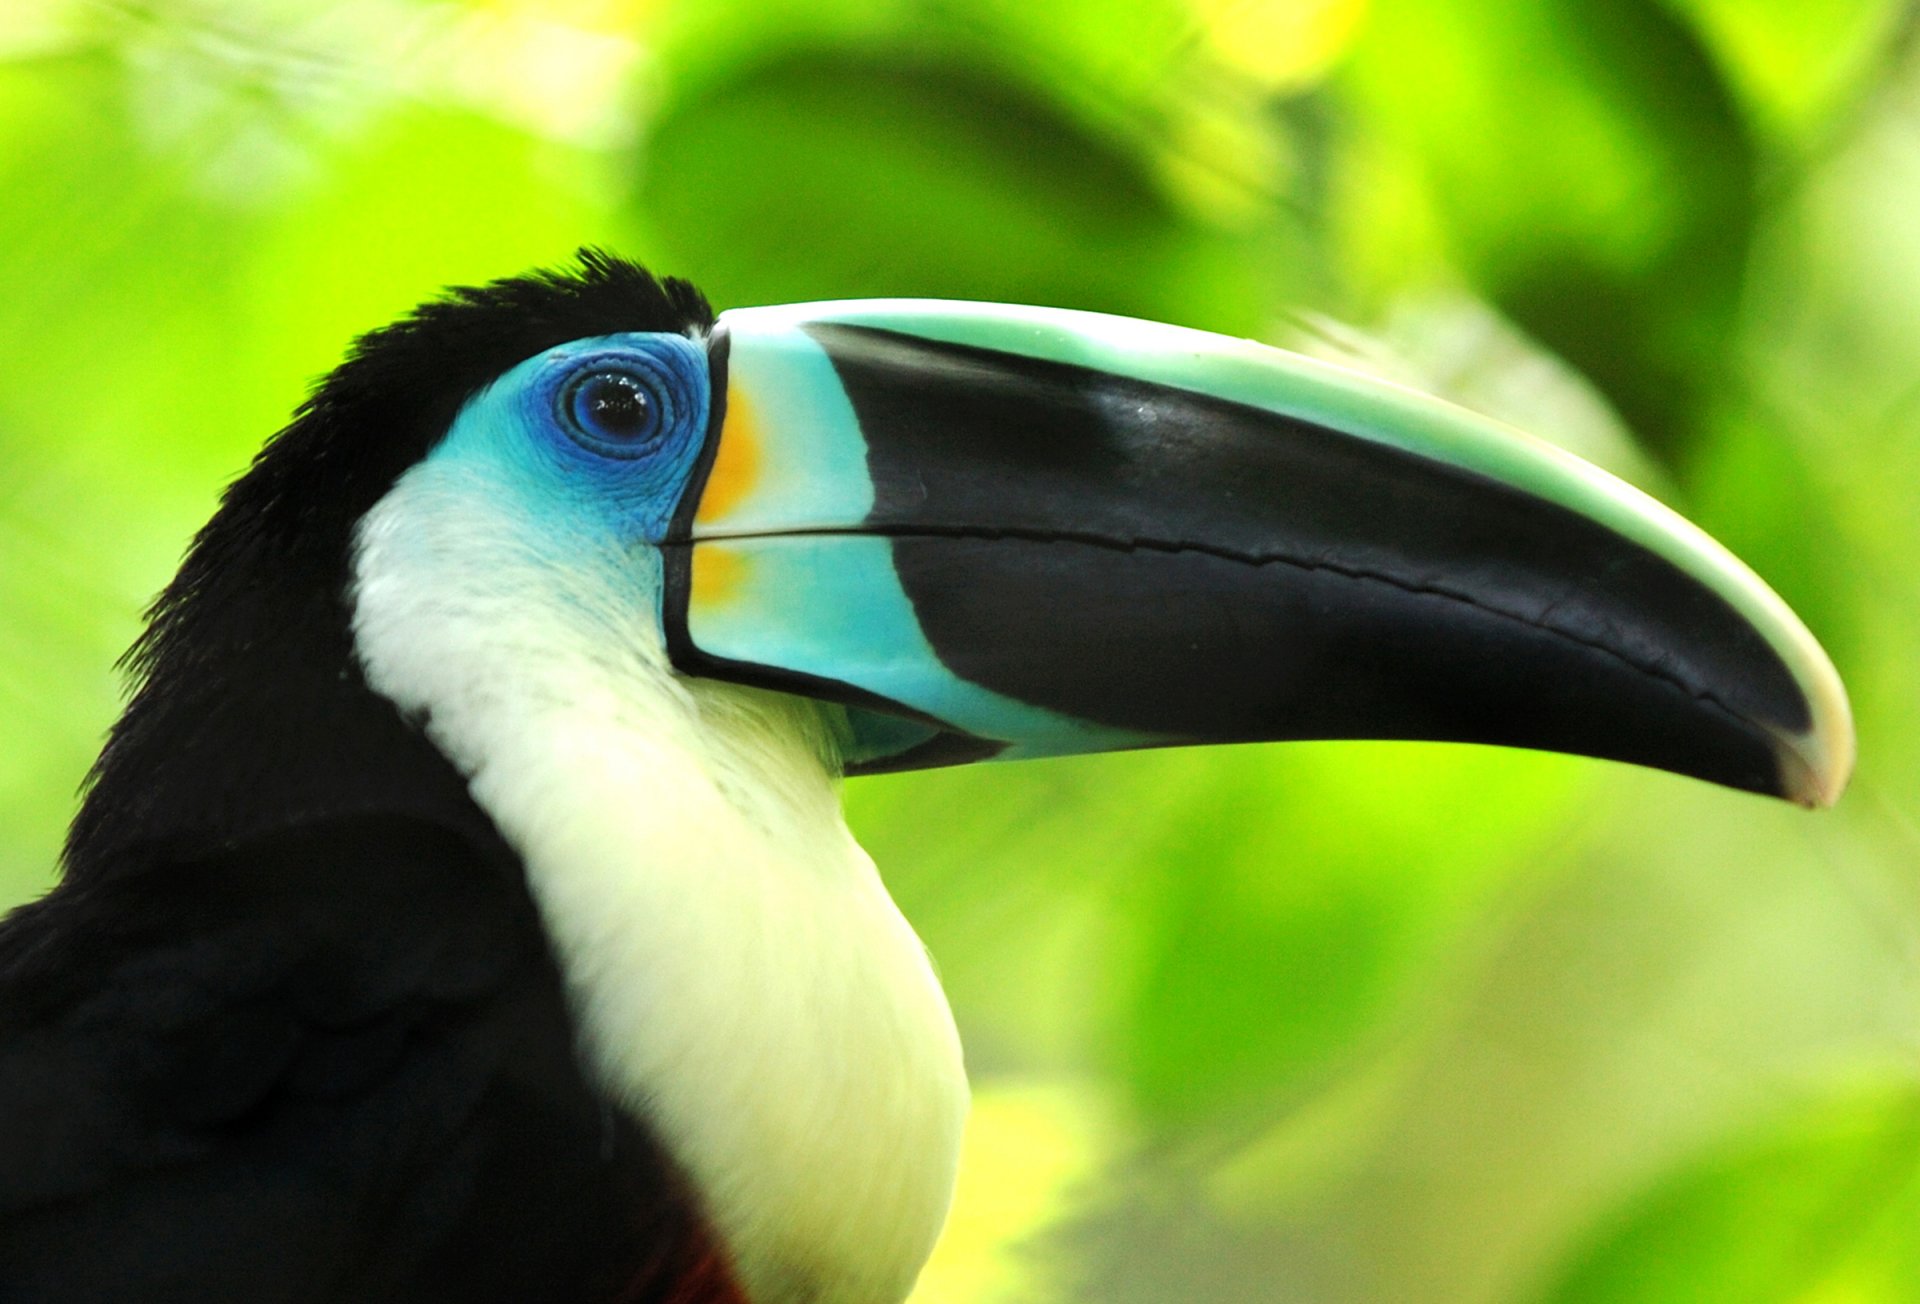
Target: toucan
x: 462, y: 908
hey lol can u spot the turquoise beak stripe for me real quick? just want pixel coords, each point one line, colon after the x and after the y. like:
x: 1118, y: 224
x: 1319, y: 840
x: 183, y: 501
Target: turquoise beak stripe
x: 770, y: 615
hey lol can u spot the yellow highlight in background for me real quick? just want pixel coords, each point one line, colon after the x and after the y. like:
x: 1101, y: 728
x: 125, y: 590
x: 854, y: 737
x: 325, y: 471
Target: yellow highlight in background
x: 1030, y: 1147
x: 1280, y: 45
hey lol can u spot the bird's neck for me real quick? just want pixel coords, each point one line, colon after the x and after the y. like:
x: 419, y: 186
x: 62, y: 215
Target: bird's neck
x: 250, y: 716
x: 740, y: 976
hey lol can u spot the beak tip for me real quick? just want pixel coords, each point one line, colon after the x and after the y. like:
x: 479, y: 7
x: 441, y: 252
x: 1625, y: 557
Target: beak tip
x: 1816, y: 758
x: 1815, y: 766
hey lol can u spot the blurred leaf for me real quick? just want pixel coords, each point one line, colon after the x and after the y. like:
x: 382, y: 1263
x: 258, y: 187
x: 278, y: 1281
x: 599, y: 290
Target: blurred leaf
x: 1831, y: 335
x: 1177, y: 79
x: 962, y: 182
x: 1593, y: 175
x: 1309, y: 898
x: 1795, y: 62
x: 1705, y: 959
x: 1769, y: 1219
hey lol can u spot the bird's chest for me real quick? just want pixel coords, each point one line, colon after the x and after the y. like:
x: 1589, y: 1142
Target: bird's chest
x: 743, y: 983
x: 739, y: 977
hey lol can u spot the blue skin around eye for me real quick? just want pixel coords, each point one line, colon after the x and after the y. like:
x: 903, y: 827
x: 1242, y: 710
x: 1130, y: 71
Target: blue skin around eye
x: 515, y: 428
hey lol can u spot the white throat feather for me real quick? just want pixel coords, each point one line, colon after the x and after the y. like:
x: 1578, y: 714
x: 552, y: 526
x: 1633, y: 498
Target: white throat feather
x: 739, y: 975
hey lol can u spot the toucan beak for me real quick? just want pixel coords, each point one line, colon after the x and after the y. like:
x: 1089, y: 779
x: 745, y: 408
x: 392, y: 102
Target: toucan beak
x: 991, y: 530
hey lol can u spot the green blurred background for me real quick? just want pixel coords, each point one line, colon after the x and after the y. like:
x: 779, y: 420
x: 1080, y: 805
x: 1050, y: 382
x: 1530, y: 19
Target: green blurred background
x: 1327, y: 1023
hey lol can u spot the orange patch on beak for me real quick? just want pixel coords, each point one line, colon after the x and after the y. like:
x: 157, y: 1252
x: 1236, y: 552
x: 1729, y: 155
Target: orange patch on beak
x: 736, y: 463
x: 717, y: 572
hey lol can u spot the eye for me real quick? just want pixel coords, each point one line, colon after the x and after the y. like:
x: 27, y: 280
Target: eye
x: 614, y: 410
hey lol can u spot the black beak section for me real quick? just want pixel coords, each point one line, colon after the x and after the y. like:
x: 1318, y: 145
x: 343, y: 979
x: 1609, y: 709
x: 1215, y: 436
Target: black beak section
x: 1051, y: 531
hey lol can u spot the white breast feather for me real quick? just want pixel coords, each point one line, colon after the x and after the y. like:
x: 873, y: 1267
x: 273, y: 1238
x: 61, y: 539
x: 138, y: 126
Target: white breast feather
x: 740, y: 975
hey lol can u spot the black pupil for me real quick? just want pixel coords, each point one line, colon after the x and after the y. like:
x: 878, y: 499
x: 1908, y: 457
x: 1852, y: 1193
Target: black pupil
x: 616, y: 406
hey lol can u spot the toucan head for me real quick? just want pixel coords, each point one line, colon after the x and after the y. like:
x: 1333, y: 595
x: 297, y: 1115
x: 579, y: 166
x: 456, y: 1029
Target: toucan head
x: 977, y: 530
